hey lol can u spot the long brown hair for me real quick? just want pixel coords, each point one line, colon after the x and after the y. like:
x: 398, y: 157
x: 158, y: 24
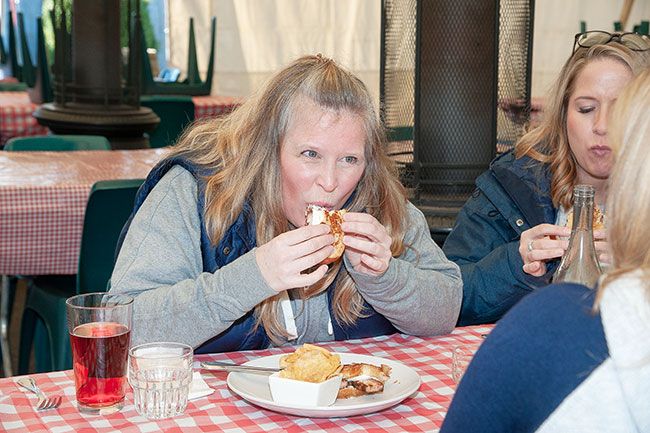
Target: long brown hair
x: 549, y: 143
x: 244, y: 149
x: 628, y: 201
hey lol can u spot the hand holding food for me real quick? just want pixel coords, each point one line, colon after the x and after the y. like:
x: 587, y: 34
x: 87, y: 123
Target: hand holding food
x: 291, y: 259
x: 367, y: 243
x: 541, y: 243
x: 600, y: 235
x: 602, y: 247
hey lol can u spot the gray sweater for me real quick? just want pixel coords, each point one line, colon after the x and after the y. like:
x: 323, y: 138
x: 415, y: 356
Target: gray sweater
x: 160, y: 265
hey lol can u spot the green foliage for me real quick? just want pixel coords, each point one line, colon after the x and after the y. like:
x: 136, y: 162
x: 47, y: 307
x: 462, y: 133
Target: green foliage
x: 147, y: 27
x: 48, y: 26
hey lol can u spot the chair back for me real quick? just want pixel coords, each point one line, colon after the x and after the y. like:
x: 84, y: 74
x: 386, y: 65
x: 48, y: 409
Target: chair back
x: 176, y: 112
x: 58, y: 143
x: 109, y: 206
x: 192, y: 85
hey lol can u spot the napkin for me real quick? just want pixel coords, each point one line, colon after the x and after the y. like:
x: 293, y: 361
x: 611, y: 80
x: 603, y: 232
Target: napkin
x: 198, y: 387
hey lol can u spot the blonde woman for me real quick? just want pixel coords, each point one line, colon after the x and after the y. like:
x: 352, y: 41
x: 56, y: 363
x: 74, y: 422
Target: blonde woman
x: 218, y: 254
x: 509, y: 236
x: 568, y: 358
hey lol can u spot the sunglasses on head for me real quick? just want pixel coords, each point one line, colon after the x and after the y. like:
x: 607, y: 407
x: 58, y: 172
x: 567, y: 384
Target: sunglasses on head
x: 631, y: 40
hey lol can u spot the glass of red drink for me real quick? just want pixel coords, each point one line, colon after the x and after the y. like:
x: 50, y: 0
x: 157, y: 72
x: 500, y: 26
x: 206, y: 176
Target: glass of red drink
x: 100, y: 332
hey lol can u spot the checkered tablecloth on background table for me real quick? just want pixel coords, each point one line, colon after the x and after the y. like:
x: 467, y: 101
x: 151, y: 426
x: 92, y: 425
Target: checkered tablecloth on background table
x: 214, y: 106
x: 16, y: 118
x: 43, y: 199
x: 225, y: 411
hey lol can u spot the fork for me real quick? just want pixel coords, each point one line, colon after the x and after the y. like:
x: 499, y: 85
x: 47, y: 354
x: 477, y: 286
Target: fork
x: 44, y: 402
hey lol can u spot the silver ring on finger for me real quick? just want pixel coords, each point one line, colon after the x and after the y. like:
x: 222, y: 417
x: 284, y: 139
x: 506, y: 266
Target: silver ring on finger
x: 530, y: 245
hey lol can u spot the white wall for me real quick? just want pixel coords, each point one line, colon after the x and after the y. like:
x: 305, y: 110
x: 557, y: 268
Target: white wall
x: 556, y: 23
x: 257, y: 37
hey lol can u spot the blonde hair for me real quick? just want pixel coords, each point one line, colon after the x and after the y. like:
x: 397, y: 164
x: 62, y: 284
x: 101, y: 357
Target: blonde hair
x: 549, y: 142
x: 628, y: 202
x: 243, y: 149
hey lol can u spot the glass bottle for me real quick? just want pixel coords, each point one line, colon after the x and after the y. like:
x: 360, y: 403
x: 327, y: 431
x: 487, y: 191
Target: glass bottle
x: 579, y: 263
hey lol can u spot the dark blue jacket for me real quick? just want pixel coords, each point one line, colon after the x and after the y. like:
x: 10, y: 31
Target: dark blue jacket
x: 542, y: 351
x: 513, y: 195
x: 239, y: 239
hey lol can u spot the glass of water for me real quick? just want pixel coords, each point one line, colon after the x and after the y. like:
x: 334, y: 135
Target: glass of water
x: 160, y: 375
x: 461, y: 356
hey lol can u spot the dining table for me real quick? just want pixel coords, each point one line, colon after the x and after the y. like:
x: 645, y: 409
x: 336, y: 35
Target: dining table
x: 214, y: 105
x: 422, y: 410
x: 16, y: 119
x: 43, y: 199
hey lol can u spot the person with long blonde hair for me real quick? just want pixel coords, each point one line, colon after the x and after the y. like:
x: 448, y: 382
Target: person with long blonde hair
x: 569, y: 358
x: 510, y: 234
x: 218, y: 254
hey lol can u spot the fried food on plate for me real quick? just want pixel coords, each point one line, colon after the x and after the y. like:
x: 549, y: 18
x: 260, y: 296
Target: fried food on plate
x: 310, y: 363
x: 362, y: 379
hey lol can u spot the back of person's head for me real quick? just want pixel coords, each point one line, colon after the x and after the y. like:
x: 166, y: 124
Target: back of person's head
x: 628, y: 198
x: 549, y: 142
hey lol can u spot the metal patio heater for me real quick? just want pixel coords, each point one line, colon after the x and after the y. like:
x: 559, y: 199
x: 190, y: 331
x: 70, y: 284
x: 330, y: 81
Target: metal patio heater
x: 447, y: 66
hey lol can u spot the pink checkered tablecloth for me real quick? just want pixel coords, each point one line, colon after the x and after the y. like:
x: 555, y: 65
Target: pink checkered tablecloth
x: 214, y: 106
x: 43, y: 199
x: 16, y: 118
x: 225, y: 411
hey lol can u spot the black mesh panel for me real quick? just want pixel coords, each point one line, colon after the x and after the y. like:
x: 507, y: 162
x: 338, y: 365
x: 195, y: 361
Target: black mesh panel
x: 449, y: 69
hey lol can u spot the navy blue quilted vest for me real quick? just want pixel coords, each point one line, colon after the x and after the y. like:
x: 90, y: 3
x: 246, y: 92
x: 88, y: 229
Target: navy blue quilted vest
x: 238, y: 240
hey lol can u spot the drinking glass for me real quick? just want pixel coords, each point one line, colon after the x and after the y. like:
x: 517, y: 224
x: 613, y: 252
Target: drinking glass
x: 461, y: 356
x: 160, y: 375
x: 100, y: 331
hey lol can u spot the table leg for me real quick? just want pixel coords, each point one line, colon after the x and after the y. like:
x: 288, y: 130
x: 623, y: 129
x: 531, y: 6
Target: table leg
x: 4, y: 334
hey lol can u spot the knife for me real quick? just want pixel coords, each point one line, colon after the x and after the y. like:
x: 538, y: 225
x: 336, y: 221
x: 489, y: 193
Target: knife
x: 226, y: 366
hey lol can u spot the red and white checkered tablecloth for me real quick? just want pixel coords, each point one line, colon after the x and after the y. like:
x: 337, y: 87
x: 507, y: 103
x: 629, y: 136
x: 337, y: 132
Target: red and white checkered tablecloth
x: 225, y: 411
x: 16, y: 118
x: 214, y: 106
x: 43, y: 200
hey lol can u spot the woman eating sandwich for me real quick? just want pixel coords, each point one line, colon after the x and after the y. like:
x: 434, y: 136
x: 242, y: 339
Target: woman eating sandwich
x: 218, y: 253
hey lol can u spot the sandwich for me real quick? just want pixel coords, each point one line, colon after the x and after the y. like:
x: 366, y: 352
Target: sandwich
x: 333, y: 218
x: 598, y: 221
x: 362, y: 379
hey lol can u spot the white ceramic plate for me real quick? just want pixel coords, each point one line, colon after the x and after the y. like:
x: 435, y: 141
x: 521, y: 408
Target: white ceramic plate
x: 254, y: 388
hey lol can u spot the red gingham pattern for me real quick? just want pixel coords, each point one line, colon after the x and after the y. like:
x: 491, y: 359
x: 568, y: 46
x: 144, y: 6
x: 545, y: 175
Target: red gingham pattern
x: 16, y: 118
x: 43, y: 198
x: 214, y: 106
x: 225, y: 411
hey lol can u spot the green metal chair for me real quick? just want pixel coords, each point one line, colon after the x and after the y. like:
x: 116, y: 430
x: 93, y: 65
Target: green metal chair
x: 109, y: 206
x: 58, y: 143
x: 176, y: 112
x: 192, y: 85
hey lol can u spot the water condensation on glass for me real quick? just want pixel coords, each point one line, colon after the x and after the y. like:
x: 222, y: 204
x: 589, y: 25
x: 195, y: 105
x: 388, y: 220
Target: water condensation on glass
x: 161, y: 392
